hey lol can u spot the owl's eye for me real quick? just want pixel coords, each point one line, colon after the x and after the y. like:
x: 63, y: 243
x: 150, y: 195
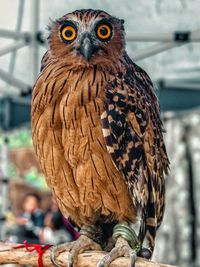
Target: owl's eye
x: 104, y: 32
x: 68, y: 33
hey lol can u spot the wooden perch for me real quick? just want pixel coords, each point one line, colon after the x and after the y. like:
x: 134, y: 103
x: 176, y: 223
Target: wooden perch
x: 8, y: 255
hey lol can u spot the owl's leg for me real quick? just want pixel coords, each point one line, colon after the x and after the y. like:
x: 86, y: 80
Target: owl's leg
x: 90, y: 239
x: 127, y: 244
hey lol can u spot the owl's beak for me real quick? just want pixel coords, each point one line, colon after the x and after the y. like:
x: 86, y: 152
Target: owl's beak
x: 87, y: 47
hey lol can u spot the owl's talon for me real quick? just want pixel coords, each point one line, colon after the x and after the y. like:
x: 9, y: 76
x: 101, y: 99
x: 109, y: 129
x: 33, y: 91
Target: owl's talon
x: 133, y: 258
x: 74, y: 248
x: 122, y: 248
x: 52, y: 256
x: 82, y: 244
x: 69, y: 260
x: 56, y: 250
x: 145, y: 253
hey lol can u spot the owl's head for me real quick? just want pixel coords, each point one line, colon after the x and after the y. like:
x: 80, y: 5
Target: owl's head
x: 87, y: 37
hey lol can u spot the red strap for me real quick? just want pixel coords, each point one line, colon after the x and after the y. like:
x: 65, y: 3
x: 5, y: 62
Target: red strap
x: 35, y: 247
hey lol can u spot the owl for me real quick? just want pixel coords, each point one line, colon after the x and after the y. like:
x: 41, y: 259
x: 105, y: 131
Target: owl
x: 97, y: 133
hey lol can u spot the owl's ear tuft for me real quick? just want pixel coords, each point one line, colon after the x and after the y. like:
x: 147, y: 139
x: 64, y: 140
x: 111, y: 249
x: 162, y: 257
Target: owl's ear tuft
x: 49, y: 27
x: 50, y: 24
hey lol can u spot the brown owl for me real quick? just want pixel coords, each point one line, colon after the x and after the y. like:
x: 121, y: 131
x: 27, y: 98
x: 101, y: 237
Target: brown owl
x: 97, y: 134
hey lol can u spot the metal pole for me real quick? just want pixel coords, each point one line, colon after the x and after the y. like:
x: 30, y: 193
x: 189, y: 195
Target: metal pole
x: 34, y: 45
x: 4, y: 167
x: 12, y: 47
x: 191, y: 196
x: 153, y: 50
x: 18, y: 28
x: 193, y: 36
x: 149, y: 37
x: 180, y: 85
x: 14, y: 81
x: 12, y: 34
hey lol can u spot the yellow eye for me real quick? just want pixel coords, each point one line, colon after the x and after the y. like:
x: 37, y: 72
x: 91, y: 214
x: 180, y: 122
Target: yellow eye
x: 104, y: 32
x: 68, y: 33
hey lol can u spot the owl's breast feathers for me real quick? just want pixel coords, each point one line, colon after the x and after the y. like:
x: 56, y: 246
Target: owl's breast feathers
x: 97, y: 134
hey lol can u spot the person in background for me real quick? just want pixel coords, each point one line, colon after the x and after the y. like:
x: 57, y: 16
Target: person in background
x: 54, y: 231
x: 32, y: 219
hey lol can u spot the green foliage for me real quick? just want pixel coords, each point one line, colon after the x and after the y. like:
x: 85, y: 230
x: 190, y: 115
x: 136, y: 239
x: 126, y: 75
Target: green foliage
x: 36, y: 179
x: 11, y: 170
x: 20, y: 139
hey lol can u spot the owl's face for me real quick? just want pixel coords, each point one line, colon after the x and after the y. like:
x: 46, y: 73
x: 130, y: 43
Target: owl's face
x: 87, y: 37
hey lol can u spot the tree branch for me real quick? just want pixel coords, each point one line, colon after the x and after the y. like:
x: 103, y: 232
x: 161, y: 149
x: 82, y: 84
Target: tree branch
x: 8, y: 255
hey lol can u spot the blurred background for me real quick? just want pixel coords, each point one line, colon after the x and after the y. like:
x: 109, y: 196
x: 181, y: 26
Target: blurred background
x: 163, y: 37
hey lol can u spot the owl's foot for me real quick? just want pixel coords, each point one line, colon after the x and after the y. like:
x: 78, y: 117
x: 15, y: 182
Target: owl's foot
x: 56, y: 250
x: 122, y: 248
x: 127, y: 244
x: 75, y: 248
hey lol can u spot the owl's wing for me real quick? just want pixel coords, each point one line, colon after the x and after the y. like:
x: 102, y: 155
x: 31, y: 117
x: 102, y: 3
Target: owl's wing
x: 133, y: 133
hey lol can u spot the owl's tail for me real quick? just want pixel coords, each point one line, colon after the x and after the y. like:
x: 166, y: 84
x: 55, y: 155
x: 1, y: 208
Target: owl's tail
x: 152, y: 216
